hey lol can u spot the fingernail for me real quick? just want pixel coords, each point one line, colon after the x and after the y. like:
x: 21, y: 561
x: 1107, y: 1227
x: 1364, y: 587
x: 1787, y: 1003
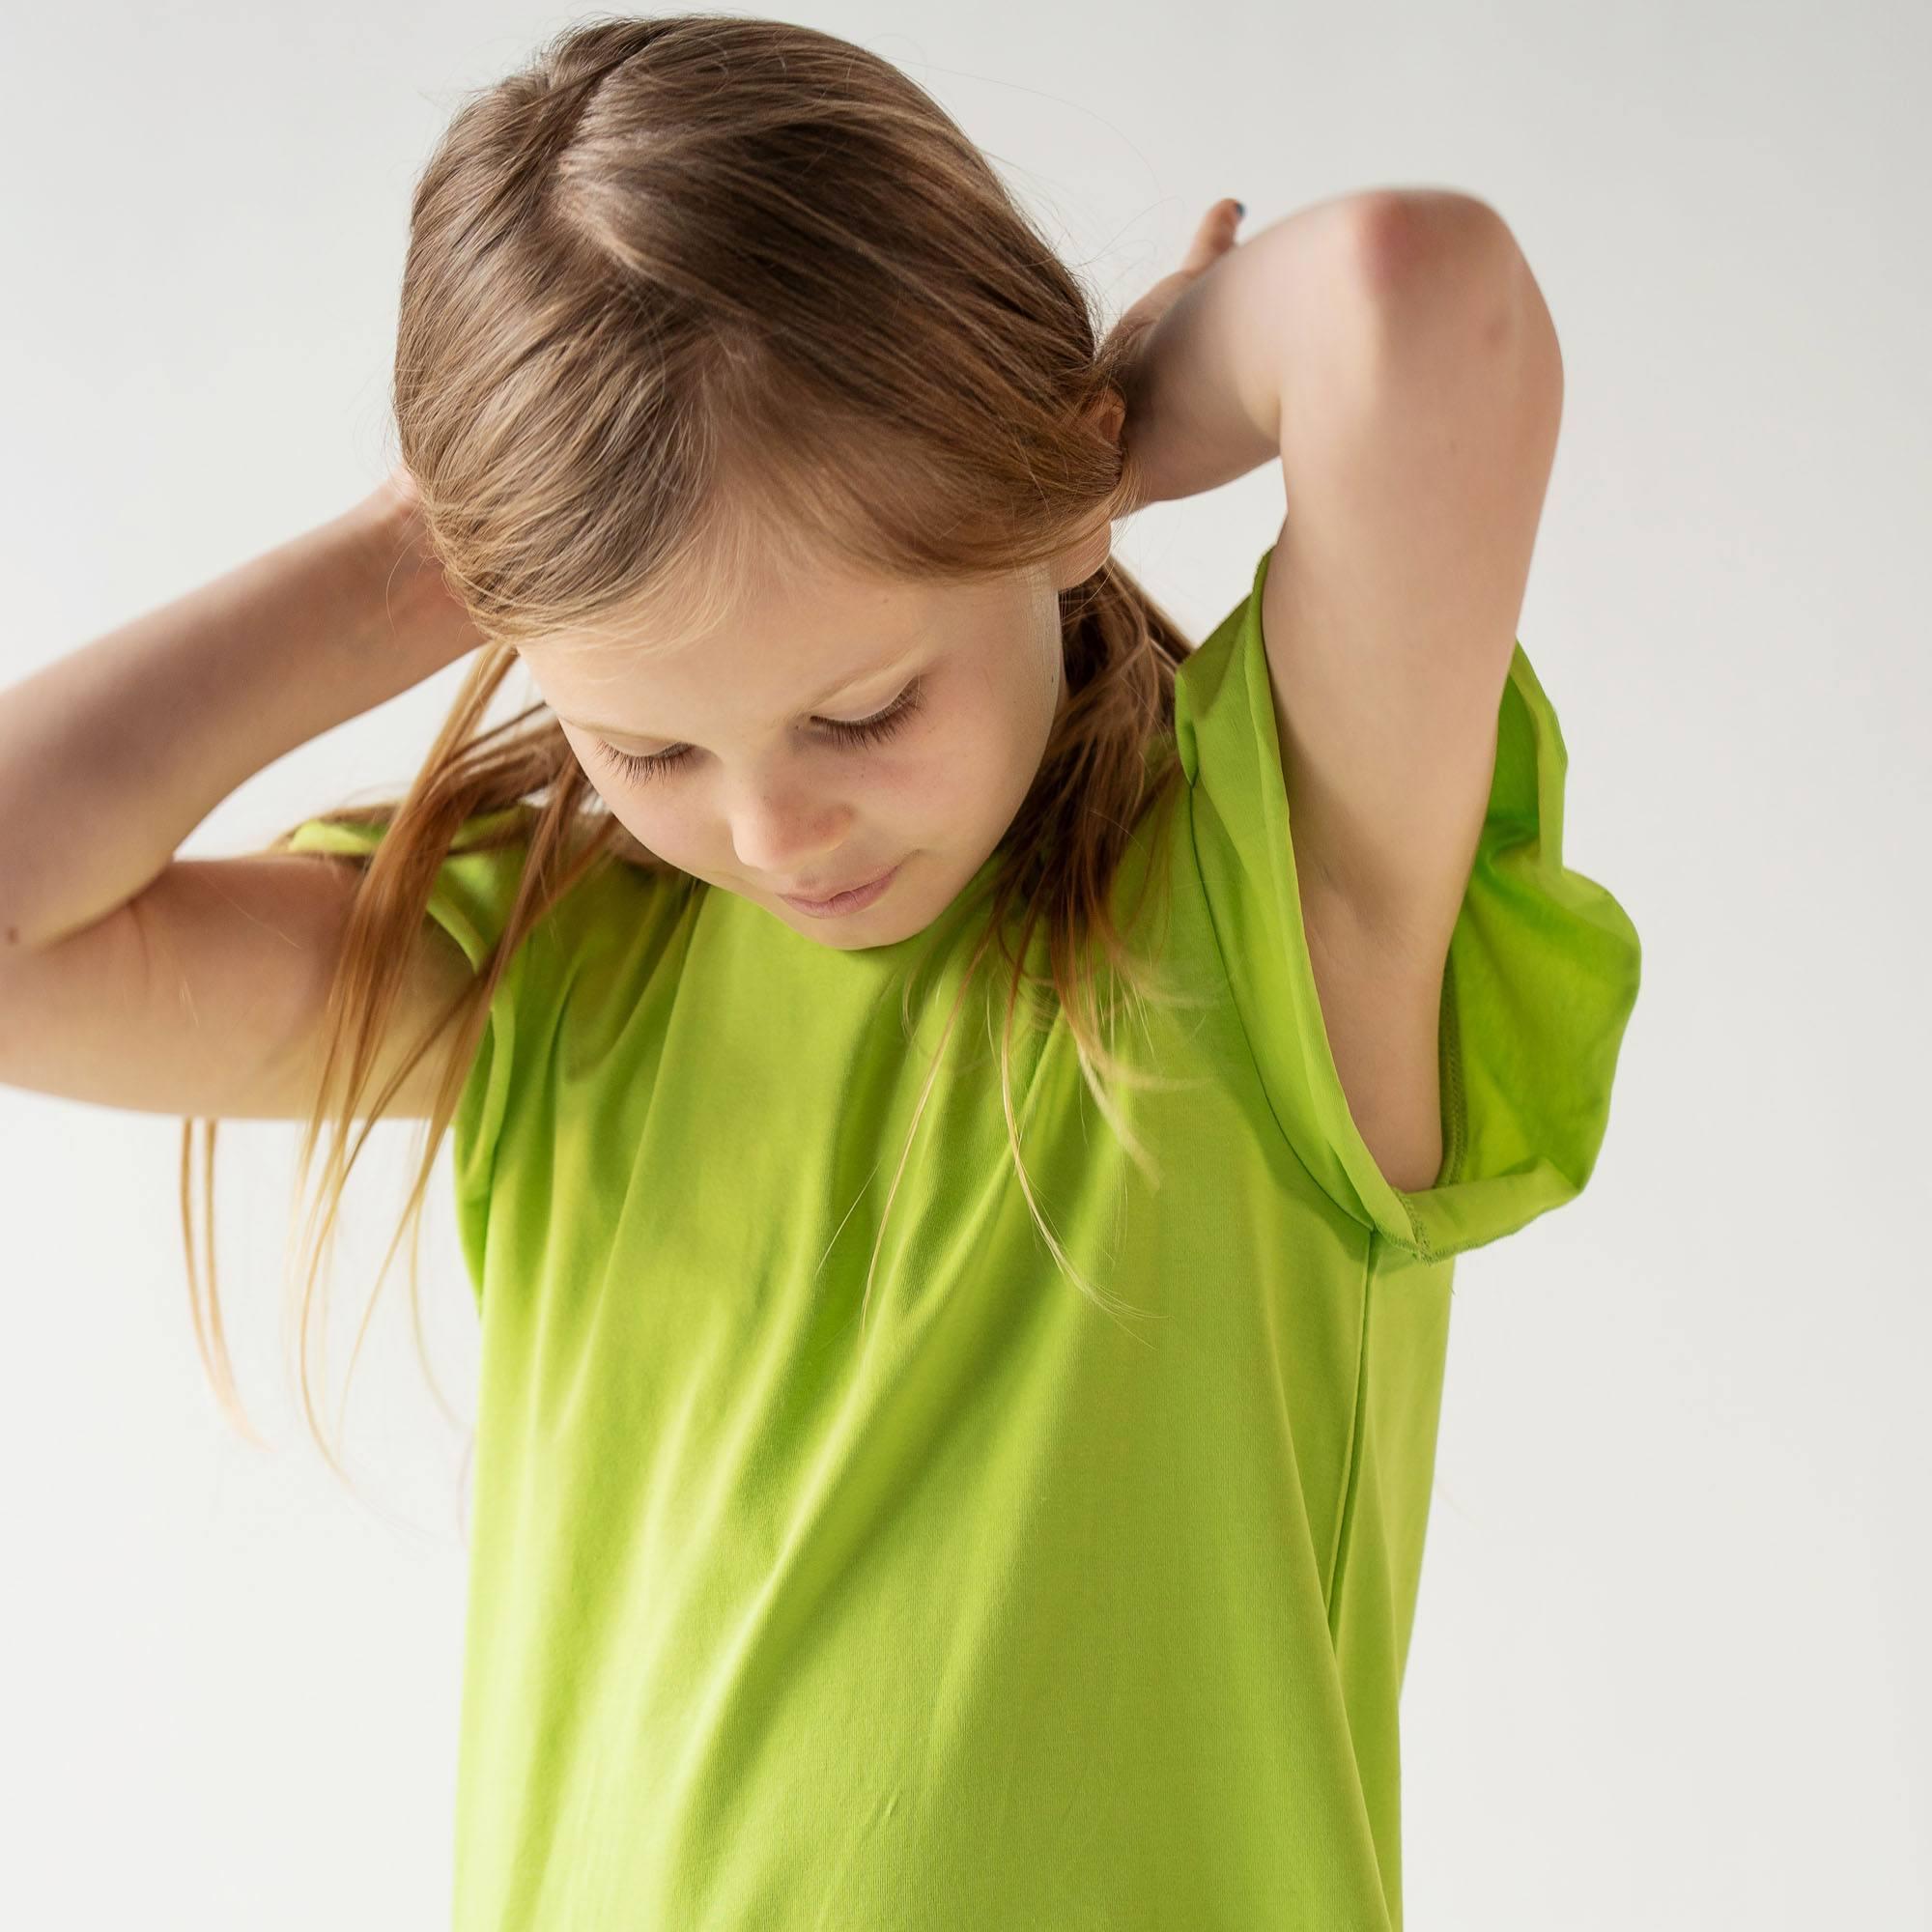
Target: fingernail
x: 1241, y: 209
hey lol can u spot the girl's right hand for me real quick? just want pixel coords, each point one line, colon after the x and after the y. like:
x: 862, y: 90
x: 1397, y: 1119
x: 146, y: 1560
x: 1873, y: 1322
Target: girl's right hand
x: 437, y: 622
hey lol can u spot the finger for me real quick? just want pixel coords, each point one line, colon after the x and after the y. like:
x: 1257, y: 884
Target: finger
x: 1213, y: 237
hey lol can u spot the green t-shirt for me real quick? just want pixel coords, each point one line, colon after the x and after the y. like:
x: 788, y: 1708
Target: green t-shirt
x: 999, y: 1612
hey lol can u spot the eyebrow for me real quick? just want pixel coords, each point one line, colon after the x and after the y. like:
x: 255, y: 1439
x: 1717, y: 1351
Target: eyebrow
x: 824, y: 698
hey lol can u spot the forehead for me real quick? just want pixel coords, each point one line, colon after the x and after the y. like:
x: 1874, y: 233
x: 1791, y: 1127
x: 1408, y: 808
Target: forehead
x: 784, y: 649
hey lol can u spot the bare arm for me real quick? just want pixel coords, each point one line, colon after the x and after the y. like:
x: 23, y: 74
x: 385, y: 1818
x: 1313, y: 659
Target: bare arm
x: 112, y: 754
x: 1204, y: 386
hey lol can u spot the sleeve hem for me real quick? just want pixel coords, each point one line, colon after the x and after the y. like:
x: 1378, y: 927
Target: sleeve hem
x: 1539, y: 982
x: 464, y: 902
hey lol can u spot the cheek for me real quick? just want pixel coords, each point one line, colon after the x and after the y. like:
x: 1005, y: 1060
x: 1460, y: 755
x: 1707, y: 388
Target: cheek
x: 991, y: 743
x: 959, y: 773
x: 671, y: 834
x: 649, y: 812
x: 646, y: 812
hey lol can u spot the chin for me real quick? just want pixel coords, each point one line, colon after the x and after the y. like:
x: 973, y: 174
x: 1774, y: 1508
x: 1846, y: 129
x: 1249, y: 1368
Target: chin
x: 857, y: 932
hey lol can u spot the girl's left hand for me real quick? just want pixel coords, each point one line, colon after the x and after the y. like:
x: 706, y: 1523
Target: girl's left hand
x: 1213, y: 240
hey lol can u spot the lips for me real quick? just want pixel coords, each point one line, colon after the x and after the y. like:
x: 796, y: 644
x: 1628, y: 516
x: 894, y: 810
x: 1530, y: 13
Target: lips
x: 854, y: 899
x: 819, y: 899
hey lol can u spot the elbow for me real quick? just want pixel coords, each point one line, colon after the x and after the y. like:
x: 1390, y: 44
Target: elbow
x: 1408, y: 241
x: 1444, y: 271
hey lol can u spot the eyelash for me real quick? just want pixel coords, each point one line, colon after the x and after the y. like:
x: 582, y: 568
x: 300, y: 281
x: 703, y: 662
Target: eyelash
x: 638, y: 766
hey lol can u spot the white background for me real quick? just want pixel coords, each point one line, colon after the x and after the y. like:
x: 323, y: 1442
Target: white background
x: 1664, y: 1671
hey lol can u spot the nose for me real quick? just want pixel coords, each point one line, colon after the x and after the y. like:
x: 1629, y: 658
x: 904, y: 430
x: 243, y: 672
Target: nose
x: 785, y: 837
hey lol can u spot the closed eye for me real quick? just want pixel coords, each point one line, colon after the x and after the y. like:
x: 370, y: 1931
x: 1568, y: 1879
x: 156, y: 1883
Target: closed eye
x: 640, y: 766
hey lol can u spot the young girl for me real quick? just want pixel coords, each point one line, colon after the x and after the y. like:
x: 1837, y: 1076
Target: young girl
x: 945, y: 1458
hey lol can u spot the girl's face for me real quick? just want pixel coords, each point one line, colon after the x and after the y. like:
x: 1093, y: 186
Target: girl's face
x: 839, y: 728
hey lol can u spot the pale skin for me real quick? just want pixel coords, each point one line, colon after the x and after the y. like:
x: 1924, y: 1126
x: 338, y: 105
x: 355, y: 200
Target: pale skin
x: 766, y: 797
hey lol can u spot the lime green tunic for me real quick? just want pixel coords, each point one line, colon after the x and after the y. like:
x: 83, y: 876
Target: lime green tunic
x: 997, y: 1610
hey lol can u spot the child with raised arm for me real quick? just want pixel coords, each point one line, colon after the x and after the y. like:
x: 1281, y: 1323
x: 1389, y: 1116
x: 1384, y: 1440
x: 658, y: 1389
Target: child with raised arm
x: 964, y: 1105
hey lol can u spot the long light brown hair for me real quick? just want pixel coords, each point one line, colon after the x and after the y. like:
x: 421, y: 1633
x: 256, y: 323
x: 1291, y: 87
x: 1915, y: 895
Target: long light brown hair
x: 685, y: 296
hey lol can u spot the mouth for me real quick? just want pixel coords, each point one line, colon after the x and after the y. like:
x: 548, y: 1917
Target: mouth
x: 851, y: 899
